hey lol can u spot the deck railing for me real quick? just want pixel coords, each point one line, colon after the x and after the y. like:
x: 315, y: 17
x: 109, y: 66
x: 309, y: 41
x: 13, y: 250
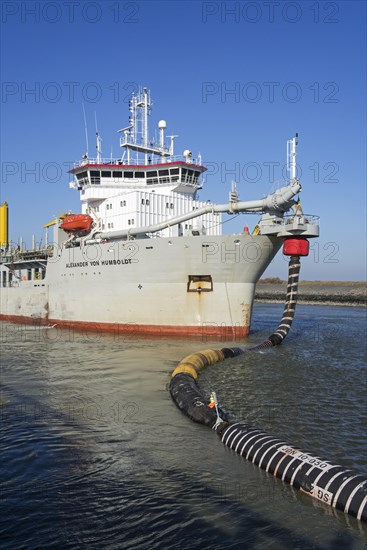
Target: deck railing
x: 133, y: 162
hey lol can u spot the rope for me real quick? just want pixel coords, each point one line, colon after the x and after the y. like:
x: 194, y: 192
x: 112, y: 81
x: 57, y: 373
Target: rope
x: 214, y: 403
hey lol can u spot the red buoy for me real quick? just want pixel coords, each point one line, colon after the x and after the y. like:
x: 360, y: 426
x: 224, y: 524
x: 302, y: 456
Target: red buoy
x: 296, y: 246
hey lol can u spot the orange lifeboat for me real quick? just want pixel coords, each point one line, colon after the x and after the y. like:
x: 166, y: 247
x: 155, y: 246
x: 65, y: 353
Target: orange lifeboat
x: 76, y: 222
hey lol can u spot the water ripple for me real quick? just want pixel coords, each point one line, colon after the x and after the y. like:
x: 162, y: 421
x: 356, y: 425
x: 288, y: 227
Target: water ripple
x: 95, y: 454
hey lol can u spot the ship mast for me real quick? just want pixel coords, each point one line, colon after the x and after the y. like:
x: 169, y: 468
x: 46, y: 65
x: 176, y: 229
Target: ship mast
x: 98, y: 142
x: 291, y: 157
x: 136, y: 136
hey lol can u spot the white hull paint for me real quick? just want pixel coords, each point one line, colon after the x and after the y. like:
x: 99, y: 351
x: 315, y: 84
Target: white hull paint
x: 142, y: 285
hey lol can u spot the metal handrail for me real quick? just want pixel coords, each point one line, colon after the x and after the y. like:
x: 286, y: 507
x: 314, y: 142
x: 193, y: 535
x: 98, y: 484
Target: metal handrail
x: 290, y: 218
x: 132, y: 162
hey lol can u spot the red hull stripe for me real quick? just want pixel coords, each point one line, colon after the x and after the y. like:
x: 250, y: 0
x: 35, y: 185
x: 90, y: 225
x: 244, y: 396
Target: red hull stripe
x: 118, y: 167
x: 132, y: 329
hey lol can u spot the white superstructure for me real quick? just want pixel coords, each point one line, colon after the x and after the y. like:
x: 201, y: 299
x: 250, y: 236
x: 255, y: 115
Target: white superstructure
x: 147, y: 184
x: 145, y: 256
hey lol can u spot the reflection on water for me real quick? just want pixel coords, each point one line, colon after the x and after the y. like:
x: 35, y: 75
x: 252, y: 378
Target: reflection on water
x: 96, y: 455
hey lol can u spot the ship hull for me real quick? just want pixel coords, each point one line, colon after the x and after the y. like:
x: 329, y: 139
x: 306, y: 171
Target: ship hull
x: 186, y: 286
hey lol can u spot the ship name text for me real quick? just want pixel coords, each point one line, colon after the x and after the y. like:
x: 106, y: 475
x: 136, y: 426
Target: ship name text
x: 97, y: 263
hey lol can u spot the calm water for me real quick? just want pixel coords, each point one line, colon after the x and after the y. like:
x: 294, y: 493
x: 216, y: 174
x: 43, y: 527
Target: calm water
x: 95, y: 454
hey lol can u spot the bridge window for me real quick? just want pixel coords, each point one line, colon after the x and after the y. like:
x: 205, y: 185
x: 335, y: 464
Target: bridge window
x: 95, y: 177
x: 82, y: 176
x: 140, y: 175
x: 128, y: 175
x: 152, y: 177
x: 117, y: 174
x: 163, y: 176
x: 174, y: 175
x: 106, y: 174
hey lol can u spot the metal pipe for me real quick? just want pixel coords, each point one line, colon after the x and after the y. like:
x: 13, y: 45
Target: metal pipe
x: 280, y: 201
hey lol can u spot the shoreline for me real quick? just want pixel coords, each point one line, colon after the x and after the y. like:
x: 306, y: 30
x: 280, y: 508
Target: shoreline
x: 315, y: 293
x: 309, y: 302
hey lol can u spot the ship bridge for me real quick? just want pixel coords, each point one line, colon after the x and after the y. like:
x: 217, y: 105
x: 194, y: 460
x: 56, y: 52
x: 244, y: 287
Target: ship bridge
x: 147, y: 183
x: 180, y: 176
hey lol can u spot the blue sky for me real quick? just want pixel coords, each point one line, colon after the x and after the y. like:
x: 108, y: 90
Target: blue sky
x: 234, y: 80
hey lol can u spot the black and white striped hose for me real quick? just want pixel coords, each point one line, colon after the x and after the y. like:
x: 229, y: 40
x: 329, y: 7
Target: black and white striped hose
x: 330, y: 483
x: 286, y: 321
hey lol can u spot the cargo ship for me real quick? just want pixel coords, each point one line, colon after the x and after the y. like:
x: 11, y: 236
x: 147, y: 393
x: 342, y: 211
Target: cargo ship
x: 145, y: 255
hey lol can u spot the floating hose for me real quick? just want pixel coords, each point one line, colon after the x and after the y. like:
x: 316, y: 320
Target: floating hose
x: 330, y: 483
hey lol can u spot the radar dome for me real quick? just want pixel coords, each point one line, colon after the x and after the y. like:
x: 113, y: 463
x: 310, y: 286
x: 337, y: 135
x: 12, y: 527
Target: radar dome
x: 162, y: 124
x: 187, y: 153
